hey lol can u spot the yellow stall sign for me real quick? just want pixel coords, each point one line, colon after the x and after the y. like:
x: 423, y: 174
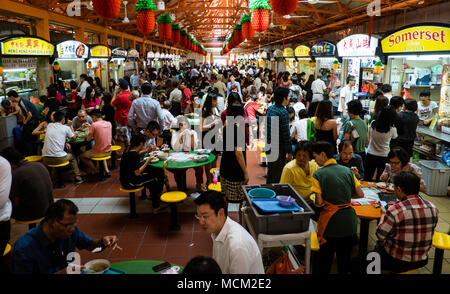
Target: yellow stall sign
x: 288, y: 53
x: 302, y: 51
x: 418, y: 39
x: 100, y: 52
x: 27, y: 46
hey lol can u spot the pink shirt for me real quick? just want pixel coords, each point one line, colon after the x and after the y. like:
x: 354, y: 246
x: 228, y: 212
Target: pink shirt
x: 251, y: 109
x: 102, y: 134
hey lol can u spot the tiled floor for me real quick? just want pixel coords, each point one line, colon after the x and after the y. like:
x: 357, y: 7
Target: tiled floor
x: 104, y: 210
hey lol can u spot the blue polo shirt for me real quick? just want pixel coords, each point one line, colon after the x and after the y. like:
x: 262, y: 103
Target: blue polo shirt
x: 34, y: 254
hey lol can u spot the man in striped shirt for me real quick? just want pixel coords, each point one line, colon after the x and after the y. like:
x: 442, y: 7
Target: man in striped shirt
x: 406, y: 228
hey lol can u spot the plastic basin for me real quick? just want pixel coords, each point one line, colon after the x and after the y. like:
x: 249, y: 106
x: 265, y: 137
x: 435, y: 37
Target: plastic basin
x: 285, y: 201
x: 261, y: 193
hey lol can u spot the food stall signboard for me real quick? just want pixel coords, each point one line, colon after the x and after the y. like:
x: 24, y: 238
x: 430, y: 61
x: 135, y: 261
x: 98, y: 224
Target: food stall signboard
x: 444, y: 105
x: 357, y: 46
x: 150, y: 55
x: 119, y: 53
x: 27, y: 46
x: 100, y: 52
x: 302, y: 51
x: 72, y: 50
x: 277, y: 53
x: 417, y: 39
x: 323, y: 49
x: 133, y: 53
x: 288, y: 52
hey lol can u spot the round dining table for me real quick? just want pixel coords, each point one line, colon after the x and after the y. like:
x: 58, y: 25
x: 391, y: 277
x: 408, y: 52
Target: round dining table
x: 141, y: 267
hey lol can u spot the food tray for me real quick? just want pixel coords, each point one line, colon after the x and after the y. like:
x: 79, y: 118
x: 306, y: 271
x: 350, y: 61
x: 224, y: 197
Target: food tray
x: 272, y: 206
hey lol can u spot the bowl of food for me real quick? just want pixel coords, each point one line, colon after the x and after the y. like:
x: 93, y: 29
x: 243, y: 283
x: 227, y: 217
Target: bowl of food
x: 154, y: 160
x: 382, y: 185
x: 201, y: 158
x: 162, y: 155
x: 97, y: 266
x: 285, y: 201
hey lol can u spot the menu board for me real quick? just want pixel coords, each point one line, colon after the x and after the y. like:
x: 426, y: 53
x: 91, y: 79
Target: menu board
x: 16, y: 63
x: 27, y: 46
x: 444, y: 105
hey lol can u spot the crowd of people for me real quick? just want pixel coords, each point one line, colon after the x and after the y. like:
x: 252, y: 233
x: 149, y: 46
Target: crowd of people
x: 318, y: 138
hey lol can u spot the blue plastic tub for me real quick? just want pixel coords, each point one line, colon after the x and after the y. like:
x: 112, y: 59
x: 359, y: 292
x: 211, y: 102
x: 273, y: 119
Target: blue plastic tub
x: 261, y: 193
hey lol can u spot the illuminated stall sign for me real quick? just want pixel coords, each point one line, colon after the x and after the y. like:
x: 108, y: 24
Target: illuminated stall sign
x: 357, y: 46
x: 100, y: 51
x: 323, y: 49
x: 302, y: 51
x: 288, y: 53
x: 119, y: 53
x: 27, y: 46
x: 72, y: 50
x: 133, y: 53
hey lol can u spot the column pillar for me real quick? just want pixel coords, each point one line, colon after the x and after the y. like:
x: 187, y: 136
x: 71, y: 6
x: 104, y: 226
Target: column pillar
x: 42, y: 28
x: 79, y: 35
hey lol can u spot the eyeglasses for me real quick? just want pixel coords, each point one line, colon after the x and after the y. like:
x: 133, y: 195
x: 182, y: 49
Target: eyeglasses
x: 199, y: 217
x: 67, y: 226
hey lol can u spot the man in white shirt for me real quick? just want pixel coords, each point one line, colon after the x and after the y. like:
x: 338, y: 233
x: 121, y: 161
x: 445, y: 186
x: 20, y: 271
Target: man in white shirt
x: 234, y: 249
x: 318, y: 87
x: 134, y: 79
x: 5, y: 207
x: 257, y: 82
x: 55, y: 140
x: 83, y: 86
x: 346, y: 96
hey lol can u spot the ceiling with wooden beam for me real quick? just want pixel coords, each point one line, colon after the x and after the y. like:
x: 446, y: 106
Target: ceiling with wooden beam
x: 212, y: 21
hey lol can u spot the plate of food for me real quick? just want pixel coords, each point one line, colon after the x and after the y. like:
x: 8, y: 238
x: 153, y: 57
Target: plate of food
x: 382, y: 185
x: 201, y: 158
x: 390, y: 187
x: 154, y: 160
x: 203, y: 151
x: 97, y: 266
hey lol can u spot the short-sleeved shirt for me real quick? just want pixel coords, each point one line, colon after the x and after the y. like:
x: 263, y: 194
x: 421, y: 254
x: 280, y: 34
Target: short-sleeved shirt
x: 251, y: 109
x: 129, y: 163
x: 55, y: 140
x: 102, y: 132
x: 337, y: 184
x: 361, y: 128
x: 34, y: 254
x: 77, y: 123
x: 293, y: 174
x: 123, y: 105
x: 379, y: 142
x: 26, y: 106
x: 347, y: 94
x: 93, y: 103
x: 409, y: 167
x: 355, y: 161
x: 426, y: 112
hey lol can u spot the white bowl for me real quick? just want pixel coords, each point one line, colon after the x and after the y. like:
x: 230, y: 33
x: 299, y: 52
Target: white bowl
x: 89, y: 264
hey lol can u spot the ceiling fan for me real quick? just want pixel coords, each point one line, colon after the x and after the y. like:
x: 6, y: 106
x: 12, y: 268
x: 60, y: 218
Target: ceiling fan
x: 295, y: 16
x: 125, y: 20
x: 317, y: 1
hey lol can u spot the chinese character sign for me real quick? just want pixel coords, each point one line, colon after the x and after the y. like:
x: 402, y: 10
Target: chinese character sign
x: 357, y: 46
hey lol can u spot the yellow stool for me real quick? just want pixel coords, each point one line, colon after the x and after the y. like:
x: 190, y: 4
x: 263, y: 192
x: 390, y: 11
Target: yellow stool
x: 114, y: 148
x: 34, y: 158
x: 261, y: 145
x: 131, y: 192
x: 173, y: 198
x: 101, y: 171
x: 217, y: 187
x: 8, y: 249
x: 59, y: 182
x: 31, y: 224
x: 441, y: 242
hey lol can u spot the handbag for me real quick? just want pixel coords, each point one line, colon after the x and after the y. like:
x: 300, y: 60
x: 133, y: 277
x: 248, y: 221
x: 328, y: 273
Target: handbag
x: 283, y: 265
x: 354, y: 135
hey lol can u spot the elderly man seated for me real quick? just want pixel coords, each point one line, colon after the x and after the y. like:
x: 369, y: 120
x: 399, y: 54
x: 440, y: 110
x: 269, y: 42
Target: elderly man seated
x: 347, y: 158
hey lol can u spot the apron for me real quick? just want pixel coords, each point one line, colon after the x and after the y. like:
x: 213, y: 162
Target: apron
x: 325, y: 215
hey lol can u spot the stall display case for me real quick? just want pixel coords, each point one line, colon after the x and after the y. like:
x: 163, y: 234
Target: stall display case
x: 22, y: 80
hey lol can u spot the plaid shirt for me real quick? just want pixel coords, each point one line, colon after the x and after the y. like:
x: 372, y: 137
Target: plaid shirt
x: 284, y: 129
x: 406, y: 229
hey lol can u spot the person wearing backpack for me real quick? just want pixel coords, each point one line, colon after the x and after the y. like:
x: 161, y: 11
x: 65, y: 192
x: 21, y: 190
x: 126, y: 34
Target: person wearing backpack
x: 355, y: 130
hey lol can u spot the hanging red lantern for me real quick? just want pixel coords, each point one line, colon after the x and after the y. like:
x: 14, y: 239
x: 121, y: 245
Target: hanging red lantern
x: 260, y: 15
x: 183, y: 39
x: 247, y: 30
x: 176, y: 37
x: 1, y: 68
x: 239, y: 37
x: 284, y: 7
x: 145, y: 17
x: 107, y: 8
x: 165, y: 27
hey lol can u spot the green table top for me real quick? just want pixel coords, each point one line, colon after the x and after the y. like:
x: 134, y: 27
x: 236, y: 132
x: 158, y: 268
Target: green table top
x: 183, y: 165
x: 140, y: 266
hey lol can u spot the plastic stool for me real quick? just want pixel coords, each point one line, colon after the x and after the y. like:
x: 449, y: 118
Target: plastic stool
x: 8, y: 249
x: 101, y: 171
x: 34, y: 158
x: 31, y: 224
x: 59, y: 182
x: 173, y: 198
x: 441, y: 242
x: 133, y: 213
x: 217, y: 187
x: 114, y: 148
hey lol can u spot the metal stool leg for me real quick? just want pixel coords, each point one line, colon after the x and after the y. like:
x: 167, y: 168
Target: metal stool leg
x: 174, y: 216
x: 113, y: 160
x: 132, y: 206
x: 101, y: 171
x: 59, y: 180
x: 438, y: 258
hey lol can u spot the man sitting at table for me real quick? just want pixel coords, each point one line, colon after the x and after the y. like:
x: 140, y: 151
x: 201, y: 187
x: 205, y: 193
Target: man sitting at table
x: 82, y: 121
x: 299, y: 171
x: 151, y: 133
x: 55, y: 140
x: 334, y: 186
x: 347, y: 158
x: 46, y: 248
x: 406, y: 228
x: 234, y: 248
x: 101, y: 132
